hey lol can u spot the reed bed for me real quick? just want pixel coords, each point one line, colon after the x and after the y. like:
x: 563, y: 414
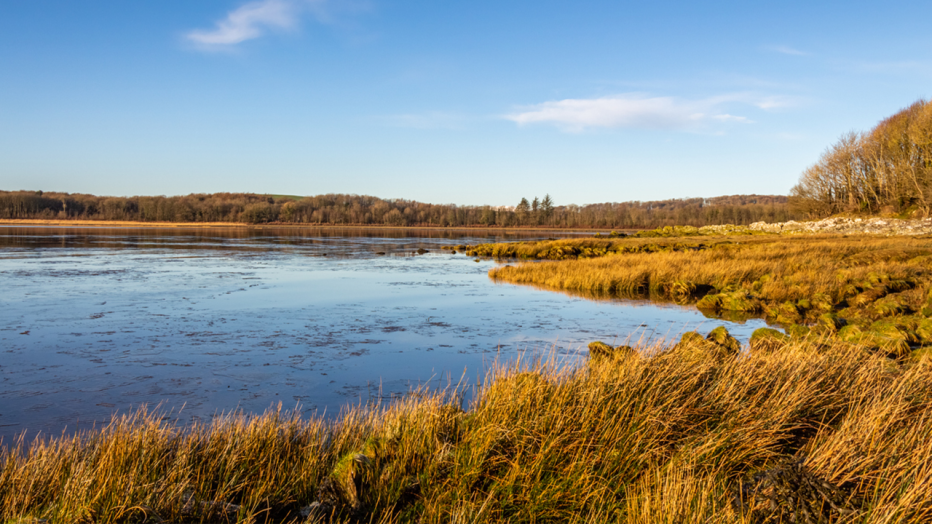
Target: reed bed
x: 807, y: 432
x: 792, y: 267
x: 572, y: 248
x: 869, y: 289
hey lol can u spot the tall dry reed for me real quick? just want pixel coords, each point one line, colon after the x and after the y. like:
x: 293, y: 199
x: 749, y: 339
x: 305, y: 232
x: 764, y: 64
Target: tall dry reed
x: 659, y: 435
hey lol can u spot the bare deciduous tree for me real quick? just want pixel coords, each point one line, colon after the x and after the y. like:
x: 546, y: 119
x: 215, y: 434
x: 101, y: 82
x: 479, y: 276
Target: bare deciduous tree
x: 887, y: 168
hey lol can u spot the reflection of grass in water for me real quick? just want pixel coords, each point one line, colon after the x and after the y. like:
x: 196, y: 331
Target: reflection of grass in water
x: 645, y: 299
x: 688, y: 435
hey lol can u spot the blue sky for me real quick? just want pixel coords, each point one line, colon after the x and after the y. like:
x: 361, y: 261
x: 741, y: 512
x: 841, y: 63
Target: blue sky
x: 474, y: 102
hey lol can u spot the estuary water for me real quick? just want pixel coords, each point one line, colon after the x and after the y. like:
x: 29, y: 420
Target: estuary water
x: 97, y: 321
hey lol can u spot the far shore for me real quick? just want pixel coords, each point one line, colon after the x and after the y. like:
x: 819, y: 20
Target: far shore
x: 273, y: 225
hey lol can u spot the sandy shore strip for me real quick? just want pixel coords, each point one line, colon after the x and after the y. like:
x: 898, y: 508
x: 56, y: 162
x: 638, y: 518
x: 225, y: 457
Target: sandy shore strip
x: 240, y: 225
x: 112, y: 223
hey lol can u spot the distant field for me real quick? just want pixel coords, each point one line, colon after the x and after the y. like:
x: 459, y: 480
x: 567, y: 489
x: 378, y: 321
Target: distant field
x: 286, y: 197
x: 115, y: 223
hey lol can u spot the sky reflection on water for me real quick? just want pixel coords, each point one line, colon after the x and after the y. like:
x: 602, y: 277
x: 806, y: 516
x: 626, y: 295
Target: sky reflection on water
x: 102, y: 320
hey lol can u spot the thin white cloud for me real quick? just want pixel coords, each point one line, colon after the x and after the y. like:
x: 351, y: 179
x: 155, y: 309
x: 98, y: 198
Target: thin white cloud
x: 769, y: 103
x: 732, y: 118
x: 787, y: 50
x: 247, y: 22
x: 632, y: 110
x: 255, y: 19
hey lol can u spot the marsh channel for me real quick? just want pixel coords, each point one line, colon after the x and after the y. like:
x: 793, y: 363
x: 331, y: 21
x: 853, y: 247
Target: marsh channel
x: 96, y: 321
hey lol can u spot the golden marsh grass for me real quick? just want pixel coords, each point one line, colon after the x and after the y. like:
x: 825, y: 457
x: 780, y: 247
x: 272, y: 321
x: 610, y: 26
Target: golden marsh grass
x: 649, y: 436
x: 870, y: 289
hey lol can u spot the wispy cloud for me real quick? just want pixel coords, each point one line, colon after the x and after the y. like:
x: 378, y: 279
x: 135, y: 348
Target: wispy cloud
x: 631, y: 110
x: 261, y: 17
x: 732, y: 118
x: 769, y: 103
x: 247, y: 22
x: 787, y: 50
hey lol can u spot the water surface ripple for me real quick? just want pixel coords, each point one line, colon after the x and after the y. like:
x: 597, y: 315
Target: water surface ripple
x: 97, y: 321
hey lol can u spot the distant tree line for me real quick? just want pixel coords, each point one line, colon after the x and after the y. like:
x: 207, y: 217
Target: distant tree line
x: 336, y: 209
x: 886, y: 169
x: 734, y: 209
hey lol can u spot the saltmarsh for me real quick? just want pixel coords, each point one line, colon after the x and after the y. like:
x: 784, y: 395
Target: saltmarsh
x: 832, y: 423
x: 869, y: 290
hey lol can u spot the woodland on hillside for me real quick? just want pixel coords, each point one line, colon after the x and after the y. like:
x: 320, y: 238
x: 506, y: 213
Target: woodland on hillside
x: 338, y: 209
x: 885, y: 170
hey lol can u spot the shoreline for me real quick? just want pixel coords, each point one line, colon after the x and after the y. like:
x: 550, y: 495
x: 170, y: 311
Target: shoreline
x: 886, y: 226
x: 10, y: 222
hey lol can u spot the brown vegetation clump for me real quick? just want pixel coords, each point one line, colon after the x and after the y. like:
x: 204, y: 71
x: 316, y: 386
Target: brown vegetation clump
x: 599, y: 350
x: 789, y: 492
x: 827, y: 432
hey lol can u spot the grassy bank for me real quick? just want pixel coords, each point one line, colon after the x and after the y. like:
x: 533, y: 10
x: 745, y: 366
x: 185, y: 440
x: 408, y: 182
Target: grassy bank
x: 871, y: 290
x: 817, y: 432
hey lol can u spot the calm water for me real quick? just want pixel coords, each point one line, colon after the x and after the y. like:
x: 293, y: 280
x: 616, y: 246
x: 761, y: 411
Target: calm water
x: 95, y: 321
